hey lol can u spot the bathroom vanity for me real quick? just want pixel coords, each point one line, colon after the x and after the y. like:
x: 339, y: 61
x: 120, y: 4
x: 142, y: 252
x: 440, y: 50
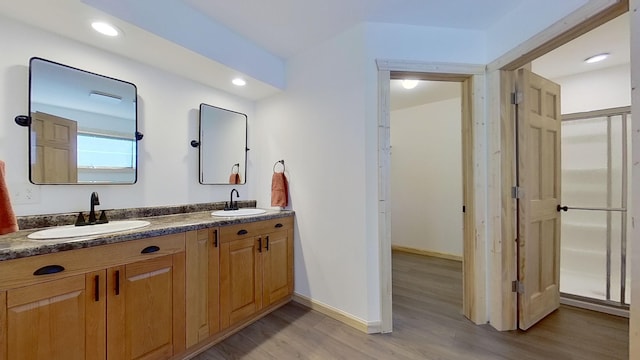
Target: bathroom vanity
x: 168, y: 290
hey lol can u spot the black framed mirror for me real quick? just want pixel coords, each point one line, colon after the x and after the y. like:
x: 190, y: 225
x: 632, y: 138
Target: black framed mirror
x: 223, y: 146
x: 82, y: 126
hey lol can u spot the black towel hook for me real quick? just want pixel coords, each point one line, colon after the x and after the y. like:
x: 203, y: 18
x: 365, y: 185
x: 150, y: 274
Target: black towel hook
x: 235, y: 167
x: 279, y: 162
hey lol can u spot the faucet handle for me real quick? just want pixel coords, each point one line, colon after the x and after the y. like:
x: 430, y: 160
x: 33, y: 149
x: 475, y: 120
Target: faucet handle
x: 103, y: 218
x: 80, y: 220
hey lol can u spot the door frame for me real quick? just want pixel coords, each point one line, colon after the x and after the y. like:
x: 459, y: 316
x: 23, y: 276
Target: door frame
x: 471, y: 76
x: 501, y: 163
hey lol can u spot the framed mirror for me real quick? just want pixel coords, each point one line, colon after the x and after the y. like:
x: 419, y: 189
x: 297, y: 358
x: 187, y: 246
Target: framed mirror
x: 223, y: 146
x: 82, y: 128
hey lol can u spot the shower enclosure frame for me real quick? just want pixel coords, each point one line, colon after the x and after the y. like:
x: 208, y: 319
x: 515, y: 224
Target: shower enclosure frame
x: 624, y: 113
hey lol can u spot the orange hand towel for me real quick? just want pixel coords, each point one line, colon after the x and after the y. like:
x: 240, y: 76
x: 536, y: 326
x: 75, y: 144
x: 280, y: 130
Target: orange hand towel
x: 234, y: 178
x: 8, y: 222
x: 279, y: 190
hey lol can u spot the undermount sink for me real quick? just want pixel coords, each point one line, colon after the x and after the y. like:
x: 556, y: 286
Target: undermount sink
x: 239, y: 212
x: 72, y: 231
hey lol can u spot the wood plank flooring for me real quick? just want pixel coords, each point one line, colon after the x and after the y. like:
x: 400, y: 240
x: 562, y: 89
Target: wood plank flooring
x: 427, y: 303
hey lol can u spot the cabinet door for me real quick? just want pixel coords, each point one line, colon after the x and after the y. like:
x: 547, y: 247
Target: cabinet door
x: 203, y: 303
x: 59, y: 319
x: 141, y: 318
x: 240, y: 280
x: 278, y: 266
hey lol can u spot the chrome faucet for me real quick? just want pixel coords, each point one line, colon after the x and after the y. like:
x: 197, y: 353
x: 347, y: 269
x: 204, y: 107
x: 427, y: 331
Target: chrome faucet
x: 94, y: 201
x: 231, y: 205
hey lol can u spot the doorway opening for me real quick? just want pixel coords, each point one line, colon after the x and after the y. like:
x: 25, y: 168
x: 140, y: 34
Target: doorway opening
x: 470, y: 104
x: 596, y: 122
x: 426, y: 194
x: 503, y: 71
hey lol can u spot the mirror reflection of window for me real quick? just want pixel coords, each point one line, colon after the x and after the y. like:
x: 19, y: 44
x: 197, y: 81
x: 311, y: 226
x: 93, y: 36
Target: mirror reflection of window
x: 103, y: 147
x: 223, y: 146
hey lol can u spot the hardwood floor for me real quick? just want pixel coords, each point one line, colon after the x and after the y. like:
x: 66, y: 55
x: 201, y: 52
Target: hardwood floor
x: 427, y: 303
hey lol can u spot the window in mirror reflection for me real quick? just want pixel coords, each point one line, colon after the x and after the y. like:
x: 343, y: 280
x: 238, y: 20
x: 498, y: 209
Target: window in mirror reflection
x: 83, y: 126
x: 223, y: 146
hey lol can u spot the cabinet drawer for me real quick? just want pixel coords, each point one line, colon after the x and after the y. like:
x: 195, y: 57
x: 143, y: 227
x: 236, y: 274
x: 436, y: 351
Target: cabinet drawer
x: 21, y: 272
x: 240, y: 231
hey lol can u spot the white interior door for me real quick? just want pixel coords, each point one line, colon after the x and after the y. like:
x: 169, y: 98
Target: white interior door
x: 538, y: 132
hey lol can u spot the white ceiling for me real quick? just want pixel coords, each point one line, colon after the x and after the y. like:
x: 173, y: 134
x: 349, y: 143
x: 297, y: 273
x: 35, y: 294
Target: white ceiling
x: 567, y: 60
x: 287, y: 27
x: 612, y: 37
x: 280, y: 27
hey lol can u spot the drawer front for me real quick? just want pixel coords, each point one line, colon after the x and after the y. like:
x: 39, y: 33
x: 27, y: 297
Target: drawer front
x: 23, y: 271
x: 241, y: 231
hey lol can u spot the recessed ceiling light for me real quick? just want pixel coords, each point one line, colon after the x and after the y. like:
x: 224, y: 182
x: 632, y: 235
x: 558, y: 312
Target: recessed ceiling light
x: 596, y: 58
x: 239, y: 82
x: 105, y: 28
x: 409, y: 84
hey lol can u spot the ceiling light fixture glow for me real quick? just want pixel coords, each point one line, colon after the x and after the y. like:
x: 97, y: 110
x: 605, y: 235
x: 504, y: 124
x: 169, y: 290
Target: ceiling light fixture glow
x: 409, y: 84
x: 105, y: 28
x: 239, y: 82
x: 596, y: 58
x: 106, y: 97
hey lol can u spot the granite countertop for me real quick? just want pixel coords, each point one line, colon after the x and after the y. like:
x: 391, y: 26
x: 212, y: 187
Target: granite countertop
x: 17, y: 245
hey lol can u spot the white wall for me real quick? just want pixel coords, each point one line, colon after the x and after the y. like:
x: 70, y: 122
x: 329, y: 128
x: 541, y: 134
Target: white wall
x: 168, y: 117
x: 426, y: 177
x: 317, y: 126
x: 595, y: 90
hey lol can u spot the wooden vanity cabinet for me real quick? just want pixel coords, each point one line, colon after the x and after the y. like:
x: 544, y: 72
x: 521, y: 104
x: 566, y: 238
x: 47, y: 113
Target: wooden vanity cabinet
x: 145, y: 317
x: 156, y: 298
x: 202, y: 284
x: 59, y: 319
x: 256, y: 268
x: 119, y: 301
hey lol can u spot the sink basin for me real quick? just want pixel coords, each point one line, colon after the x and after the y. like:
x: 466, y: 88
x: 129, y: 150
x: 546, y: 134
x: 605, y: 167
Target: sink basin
x: 70, y: 231
x: 239, y: 212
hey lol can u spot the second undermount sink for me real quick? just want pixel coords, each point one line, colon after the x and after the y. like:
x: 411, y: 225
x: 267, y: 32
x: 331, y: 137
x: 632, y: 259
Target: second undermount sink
x: 71, y: 231
x: 239, y: 212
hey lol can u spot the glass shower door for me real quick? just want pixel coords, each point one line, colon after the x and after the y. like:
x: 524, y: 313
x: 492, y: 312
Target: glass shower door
x: 595, y: 160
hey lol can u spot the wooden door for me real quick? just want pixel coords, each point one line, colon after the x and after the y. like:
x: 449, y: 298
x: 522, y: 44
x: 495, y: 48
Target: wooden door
x: 278, y: 267
x: 203, y: 266
x: 140, y: 310
x: 240, y: 280
x: 538, y: 123
x: 54, y: 149
x: 59, y: 319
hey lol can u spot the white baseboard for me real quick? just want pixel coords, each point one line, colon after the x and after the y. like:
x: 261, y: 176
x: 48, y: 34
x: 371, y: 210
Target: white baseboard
x: 426, y: 253
x: 372, y: 327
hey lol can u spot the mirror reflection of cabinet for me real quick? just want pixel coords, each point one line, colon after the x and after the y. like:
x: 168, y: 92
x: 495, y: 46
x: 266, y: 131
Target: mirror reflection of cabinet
x: 83, y: 126
x: 223, y: 146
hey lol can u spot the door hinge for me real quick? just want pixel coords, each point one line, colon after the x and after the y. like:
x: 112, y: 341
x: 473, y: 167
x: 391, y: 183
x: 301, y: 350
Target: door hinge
x: 464, y: 208
x: 517, y: 192
x: 517, y: 287
x: 516, y: 98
